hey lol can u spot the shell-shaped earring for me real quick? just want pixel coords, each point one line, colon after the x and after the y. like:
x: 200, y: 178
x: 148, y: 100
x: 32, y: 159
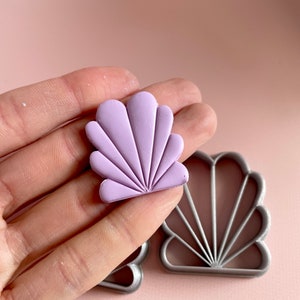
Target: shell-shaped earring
x: 136, y: 151
x: 219, y: 225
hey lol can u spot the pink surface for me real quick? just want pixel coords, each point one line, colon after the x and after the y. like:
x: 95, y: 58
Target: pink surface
x: 245, y: 57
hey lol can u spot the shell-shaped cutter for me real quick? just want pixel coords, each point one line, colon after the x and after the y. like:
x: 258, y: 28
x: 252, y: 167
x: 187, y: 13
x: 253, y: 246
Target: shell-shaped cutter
x: 219, y: 225
x: 128, y: 276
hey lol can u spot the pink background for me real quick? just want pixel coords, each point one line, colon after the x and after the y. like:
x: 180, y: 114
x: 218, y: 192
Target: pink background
x: 245, y: 57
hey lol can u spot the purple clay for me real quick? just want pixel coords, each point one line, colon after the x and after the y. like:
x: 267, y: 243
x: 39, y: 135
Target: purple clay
x: 136, y: 152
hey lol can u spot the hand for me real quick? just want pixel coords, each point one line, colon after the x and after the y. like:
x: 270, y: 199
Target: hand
x: 57, y: 239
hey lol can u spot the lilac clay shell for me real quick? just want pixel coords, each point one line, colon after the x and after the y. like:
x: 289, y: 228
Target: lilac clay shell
x: 136, y: 151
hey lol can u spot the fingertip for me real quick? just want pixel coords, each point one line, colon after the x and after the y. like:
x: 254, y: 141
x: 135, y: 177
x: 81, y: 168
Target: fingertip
x: 176, y: 93
x: 196, y: 123
x: 209, y: 120
x: 190, y: 92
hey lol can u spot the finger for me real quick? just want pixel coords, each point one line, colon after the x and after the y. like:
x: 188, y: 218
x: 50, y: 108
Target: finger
x: 41, y: 167
x: 25, y: 175
x: 71, y: 209
x: 176, y: 93
x: 30, y: 112
x: 76, y: 205
x: 196, y: 124
x: 85, y: 260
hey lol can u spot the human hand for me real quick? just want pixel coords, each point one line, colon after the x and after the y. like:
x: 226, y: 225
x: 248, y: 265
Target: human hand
x: 69, y: 240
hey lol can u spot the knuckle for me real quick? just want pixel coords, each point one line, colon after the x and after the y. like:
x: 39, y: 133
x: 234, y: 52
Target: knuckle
x: 86, y: 204
x: 75, y: 92
x: 121, y: 229
x: 72, y: 269
x: 12, y: 120
x: 9, y: 294
x: 74, y: 145
x: 19, y: 245
x: 6, y: 194
x: 24, y: 291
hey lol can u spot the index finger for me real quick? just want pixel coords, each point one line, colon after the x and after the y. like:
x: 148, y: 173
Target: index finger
x: 30, y: 112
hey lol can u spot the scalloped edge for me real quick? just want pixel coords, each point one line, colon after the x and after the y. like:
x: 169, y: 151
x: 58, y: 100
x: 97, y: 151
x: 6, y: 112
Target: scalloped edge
x: 258, y: 241
x: 136, y: 269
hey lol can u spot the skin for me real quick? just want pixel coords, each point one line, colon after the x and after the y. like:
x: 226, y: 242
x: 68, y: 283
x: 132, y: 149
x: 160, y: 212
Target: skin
x: 69, y: 240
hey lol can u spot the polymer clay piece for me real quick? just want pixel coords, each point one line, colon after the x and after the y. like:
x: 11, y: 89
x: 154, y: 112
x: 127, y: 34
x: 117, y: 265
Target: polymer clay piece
x: 220, y: 223
x: 136, y: 151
